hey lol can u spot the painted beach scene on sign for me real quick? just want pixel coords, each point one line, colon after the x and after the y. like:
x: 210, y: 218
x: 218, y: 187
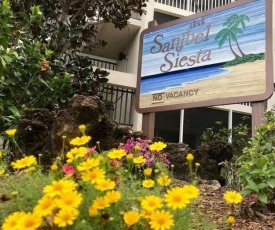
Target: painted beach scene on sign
x: 217, y: 55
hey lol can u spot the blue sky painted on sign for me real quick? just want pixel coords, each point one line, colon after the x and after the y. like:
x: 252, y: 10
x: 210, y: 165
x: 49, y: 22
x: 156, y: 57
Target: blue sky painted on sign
x: 251, y: 41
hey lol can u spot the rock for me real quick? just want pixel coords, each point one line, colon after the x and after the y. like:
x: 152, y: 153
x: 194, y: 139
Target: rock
x: 40, y: 131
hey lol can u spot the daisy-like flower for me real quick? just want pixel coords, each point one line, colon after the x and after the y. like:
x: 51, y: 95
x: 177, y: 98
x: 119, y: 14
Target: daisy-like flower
x: 93, y: 175
x: 65, y: 217
x: 157, y: 146
x: 233, y: 197
x: 57, y: 188
x: 11, y: 222
x: 191, y: 191
x: 147, y: 172
x: 175, y: 198
x: 88, y: 164
x: 113, y: 196
x: 116, y: 153
x: 105, y: 184
x: 29, y: 221
x: 164, y: 180
x: 131, y: 217
x: 71, y: 200
x: 151, y: 202
x: 1, y: 154
x: 45, y: 206
x: 148, y: 183
x: 24, y: 162
x: 11, y: 132
x: 145, y: 213
x: 101, y: 202
x: 139, y: 160
x: 78, y: 141
x: 161, y: 220
x: 76, y: 153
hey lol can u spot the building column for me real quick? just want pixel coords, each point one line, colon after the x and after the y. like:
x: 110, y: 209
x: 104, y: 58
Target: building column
x: 230, y: 119
x: 181, y: 126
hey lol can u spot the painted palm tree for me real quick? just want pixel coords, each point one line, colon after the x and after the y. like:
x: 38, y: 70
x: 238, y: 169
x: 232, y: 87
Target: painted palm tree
x: 222, y: 37
x: 236, y: 23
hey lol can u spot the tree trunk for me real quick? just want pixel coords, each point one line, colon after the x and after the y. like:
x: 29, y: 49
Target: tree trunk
x: 239, y: 48
x: 235, y: 54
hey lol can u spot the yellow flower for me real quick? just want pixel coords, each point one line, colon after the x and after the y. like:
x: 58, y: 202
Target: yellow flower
x: 131, y: 217
x: 197, y: 165
x: 11, y: 132
x: 151, y: 202
x: 11, y: 222
x: 190, y: 157
x: 24, y: 162
x: 101, y: 202
x: 78, y: 141
x: 161, y: 220
x: 93, y: 212
x: 148, y: 183
x: 145, y: 213
x: 157, y: 146
x: 29, y: 221
x: 54, y: 167
x: 82, y: 128
x: 45, y: 206
x: 164, y: 180
x: 30, y: 169
x: 57, y: 188
x: 113, y: 196
x: 148, y: 172
x: 116, y: 153
x: 2, y: 171
x: 175, y: 198
x: 233, y: 197
x: 88, y: 164
x: 139, y: 160
x: 105, y: 184
x: 191, y: 191
x: 137, y: 148
x: 76, y: 153
x: 231, y: 220
x: 70, y: 200
x: 65, y: 217
x: 1, y: 154
x: 93, y: 175
x: 129, y: 157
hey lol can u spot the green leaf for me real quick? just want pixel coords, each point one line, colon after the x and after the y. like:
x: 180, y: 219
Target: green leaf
x: 271, y: 182
x: 262, y: 197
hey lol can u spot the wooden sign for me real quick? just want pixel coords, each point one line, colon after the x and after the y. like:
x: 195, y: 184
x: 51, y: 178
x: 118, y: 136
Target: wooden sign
x: 221, y: 56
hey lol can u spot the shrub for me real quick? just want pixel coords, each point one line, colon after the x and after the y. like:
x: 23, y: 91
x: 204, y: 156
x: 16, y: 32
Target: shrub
x: 256, y: 164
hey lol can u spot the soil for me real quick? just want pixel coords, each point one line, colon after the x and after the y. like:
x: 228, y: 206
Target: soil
x: 248, y: 215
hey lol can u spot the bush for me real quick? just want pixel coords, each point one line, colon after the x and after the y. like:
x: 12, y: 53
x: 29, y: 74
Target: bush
x: 256, y: 164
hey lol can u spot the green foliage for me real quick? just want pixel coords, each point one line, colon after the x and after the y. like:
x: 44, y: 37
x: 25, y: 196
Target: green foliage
x: 238, y: 136
x: 40, y: 41
x: 256, y: 165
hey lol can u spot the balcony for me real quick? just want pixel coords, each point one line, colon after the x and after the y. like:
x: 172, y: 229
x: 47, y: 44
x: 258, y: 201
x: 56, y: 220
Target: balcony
x: 188, y: 7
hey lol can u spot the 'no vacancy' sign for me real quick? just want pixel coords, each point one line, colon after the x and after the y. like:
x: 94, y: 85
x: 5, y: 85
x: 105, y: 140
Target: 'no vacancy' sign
x: 220, y: 56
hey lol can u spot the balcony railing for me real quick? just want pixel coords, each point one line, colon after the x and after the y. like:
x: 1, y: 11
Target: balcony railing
x: 103, y: 64
x: 195, y: 5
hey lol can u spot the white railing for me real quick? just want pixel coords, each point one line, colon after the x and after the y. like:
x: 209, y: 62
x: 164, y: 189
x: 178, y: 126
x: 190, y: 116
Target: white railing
x: 195, y: 5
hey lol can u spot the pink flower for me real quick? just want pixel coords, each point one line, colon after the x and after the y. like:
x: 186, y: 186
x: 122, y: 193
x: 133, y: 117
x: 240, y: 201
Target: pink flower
x: 68, y: 170
x: 89, y: 151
